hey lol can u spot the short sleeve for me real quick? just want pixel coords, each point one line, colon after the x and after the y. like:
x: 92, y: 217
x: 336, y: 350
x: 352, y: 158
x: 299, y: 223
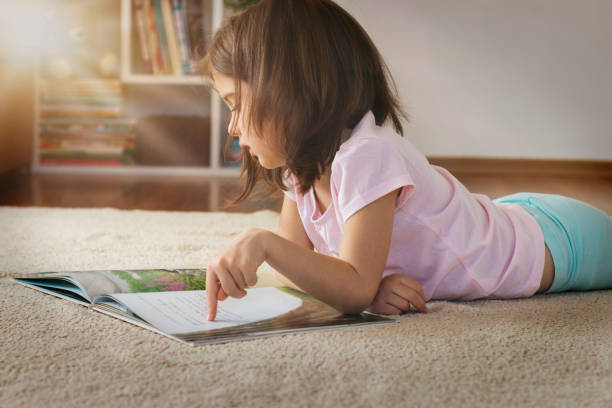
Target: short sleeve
x: 368, y: 170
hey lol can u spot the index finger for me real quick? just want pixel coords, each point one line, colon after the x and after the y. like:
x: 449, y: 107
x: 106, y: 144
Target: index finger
x: 212, y: 287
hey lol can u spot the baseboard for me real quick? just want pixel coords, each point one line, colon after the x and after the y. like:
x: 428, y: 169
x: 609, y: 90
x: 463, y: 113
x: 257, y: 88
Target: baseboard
x: 492, y: 166
x: 14, y: 172
x: 526, y: 167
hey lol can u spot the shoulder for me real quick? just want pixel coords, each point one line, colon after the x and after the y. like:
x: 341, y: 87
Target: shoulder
x: 373, y: 162
x: 370, y: 147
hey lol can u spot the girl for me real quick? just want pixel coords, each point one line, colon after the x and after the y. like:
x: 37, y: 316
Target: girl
x: 367, y: 222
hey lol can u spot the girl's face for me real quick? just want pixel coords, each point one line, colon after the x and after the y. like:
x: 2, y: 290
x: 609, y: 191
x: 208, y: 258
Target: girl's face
x: 268, y: 155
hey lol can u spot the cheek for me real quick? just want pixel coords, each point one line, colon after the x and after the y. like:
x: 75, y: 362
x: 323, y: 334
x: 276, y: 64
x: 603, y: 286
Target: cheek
x: 243, y: 126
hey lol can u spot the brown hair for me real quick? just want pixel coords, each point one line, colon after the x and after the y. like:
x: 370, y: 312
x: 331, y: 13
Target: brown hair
x: 312, y: 71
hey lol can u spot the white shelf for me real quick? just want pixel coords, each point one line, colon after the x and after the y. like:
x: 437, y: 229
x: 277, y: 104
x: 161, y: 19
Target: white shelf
x: 216, y: 168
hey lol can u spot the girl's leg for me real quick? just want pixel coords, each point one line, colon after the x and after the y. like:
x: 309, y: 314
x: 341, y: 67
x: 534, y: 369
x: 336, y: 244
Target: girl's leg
x: 579, y: 237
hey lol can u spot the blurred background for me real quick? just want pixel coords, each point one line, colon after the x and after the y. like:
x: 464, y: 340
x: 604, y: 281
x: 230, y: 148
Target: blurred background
x: 101, y: 106
x: 500, y: 78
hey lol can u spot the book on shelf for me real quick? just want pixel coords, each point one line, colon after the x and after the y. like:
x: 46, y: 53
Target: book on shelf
x: 162, y: 36
x: 85, y: 124
x: 172, y: 41
x: 82, y: 147
x: 172, y: 302
x: 167, y: 31
x: 79, y: 162
x: 153, y: 36
x: 179, y: 11
x: 79, y: 111
x: 143, y: 40
x: 81, y: 123
x: 80, y: 97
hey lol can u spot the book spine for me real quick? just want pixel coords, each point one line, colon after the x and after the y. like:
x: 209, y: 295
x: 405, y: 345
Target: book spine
x: 91, y: 100
x: 80, y: 125
x: 185, y: 15
x: 86, y: 137
x: 64, y: 154
x: 142, y: 36
x: 64, y: 112
x: 78, y: 162
x: 173, y: 45
x: 162, y: 37
x: 156, y: 55
x: 178, y: 11
x: 77, y: 129
x: 66, y: 149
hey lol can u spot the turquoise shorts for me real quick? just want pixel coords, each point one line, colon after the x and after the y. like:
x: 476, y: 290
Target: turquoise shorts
x: 578, y: 235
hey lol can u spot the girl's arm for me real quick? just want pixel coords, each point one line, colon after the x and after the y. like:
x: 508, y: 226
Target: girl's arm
x: 290, y: 227
x: 348, y: 283
x: 396, y: 292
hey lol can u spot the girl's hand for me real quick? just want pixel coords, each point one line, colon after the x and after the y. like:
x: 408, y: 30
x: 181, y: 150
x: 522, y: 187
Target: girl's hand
x: 234, y: 269
x: 395, y: 295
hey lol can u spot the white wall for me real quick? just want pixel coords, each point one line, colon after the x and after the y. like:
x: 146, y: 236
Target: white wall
x: 499, y: 78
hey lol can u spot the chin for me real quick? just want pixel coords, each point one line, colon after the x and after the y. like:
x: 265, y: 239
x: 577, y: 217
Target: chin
x: 269, y: 164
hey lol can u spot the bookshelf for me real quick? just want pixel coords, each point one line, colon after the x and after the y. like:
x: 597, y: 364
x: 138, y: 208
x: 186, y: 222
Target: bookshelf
x: 177, y: 122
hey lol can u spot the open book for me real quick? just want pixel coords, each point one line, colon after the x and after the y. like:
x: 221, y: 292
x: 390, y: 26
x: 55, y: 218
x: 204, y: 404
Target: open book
x: 172, y: 302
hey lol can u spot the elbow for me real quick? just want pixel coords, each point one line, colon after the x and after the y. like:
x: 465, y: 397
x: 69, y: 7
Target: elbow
x: 354, y: 308
x: 361, y: 298
x: 356, y: 305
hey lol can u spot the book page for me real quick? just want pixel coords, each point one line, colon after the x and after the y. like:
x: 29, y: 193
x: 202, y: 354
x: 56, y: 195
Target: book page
x: 187, y: 311
x: 90, y: 284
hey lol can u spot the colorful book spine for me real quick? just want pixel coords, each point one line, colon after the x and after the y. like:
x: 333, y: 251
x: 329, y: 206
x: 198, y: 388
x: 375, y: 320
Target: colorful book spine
x: 178, y: 10
x: 78, y: 162
x: 107, y: 100
x: 162, y: 37
x: 51, y: 138
x: 173, y: 46
x: 85, y: 125
x: 67, y: 149
x: 154, y: 47
x: 63, y: 111
x: 139, y: 17
x: 191, y: 43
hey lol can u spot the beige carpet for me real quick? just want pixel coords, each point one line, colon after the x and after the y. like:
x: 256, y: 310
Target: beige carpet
x: 546, y: 351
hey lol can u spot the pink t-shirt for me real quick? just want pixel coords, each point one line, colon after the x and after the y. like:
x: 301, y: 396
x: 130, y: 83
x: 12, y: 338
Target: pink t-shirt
x: 456, y: 244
